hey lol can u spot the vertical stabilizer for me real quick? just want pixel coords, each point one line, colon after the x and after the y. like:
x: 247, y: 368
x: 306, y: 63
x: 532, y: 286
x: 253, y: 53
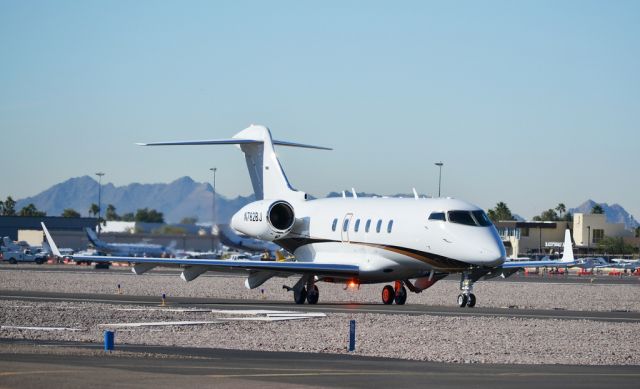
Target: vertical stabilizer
x: 93, y: 238
x: 267, y: 177
x: 567, y: 254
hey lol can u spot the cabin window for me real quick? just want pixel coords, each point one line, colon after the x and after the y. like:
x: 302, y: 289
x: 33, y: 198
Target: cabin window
x: 334, y: 225
x: 437, y: 216
x: 367, y: 225
x: 389, y: 226
x: 356, y: 226
x: 345, y: 225
x: 461, y: 217
x: 379, y: 225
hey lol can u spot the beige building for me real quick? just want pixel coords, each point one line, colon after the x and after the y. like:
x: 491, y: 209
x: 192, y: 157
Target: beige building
x: 589, y: 229
x: 525, y: 238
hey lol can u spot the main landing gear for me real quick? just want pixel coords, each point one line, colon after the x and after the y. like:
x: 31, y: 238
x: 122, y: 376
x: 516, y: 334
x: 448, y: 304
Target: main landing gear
x: 466, y: 298
x: 397, y: 294
x: 305, y: 289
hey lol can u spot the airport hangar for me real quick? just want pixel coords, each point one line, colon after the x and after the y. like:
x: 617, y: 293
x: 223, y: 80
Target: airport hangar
x: 28, y: 228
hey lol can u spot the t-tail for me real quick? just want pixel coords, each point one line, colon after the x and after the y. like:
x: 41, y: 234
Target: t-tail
x: 267, y: 177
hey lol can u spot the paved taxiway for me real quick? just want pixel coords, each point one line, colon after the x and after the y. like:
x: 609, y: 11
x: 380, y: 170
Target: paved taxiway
x: 242, y: 369
x: 409, y: 309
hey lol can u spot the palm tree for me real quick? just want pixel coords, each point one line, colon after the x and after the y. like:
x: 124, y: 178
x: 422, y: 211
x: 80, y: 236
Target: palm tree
x: 94, y: 209
x: 597, y: 209
x: 561, y: 208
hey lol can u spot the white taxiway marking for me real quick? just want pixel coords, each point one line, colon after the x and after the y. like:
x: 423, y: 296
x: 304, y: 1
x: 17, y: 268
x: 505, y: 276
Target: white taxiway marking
x: 183, y: 310
x: 39, y: 328
x: 160, y: 323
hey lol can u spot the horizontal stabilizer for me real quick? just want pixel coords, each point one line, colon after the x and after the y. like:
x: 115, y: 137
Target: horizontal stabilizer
x: 232, y: 141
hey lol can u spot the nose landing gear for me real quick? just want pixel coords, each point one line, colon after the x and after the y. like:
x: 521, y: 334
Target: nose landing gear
x: 466, y: 298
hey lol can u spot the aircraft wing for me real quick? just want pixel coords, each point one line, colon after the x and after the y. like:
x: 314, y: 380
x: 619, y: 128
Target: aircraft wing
x: 321, y: 269
x: 142, y: 264
x: 521, y: 264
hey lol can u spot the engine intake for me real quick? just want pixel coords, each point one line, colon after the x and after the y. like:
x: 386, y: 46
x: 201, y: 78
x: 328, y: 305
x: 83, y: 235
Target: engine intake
x: 266, y: 219
x: 281, y: 216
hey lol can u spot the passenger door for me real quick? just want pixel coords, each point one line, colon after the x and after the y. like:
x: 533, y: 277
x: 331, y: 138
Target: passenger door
x: 344, y: 228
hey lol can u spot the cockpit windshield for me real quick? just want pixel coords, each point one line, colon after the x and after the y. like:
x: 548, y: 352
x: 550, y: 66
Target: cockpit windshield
x: 469, y: 218
x: 481, y: 218
x: 461, y: 217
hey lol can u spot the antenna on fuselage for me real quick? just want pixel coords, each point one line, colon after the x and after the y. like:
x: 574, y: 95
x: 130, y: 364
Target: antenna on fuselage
x: 355, y: 195
x: 344, y: 195
x: 415, y: 194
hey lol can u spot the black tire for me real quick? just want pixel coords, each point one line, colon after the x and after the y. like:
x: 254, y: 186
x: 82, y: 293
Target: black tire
x: 462, y: 300
x: 313, y: 295
x: 472, y: 301
x: 13, y: 261
x: 300, y: 296
x: 401, y: 296
x: 39, y: 261
x: 388, y: 294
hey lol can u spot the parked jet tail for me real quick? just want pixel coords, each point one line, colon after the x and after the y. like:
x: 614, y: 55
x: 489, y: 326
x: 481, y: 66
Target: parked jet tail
x: 93, y: 238
x: 567, y: 254
x: 54, y: 246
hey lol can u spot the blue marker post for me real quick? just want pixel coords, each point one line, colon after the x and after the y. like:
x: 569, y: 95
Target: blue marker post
x: 352, y: 335
x: 109, y: 337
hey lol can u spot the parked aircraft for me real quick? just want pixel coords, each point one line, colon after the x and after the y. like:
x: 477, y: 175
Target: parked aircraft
x: 409, y: 242
x: 127, y: 249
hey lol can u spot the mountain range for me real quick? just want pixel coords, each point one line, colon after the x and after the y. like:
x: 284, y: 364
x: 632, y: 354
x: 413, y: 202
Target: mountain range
x: 186, y: 198
x: 178, y: 199
x: 614, y: 213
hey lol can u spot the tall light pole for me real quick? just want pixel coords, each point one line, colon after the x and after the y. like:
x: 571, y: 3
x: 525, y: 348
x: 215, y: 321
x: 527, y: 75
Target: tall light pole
x: 213, y: 215
x: 439, y: 164
x: 99, y: 174
x: 588, y: 238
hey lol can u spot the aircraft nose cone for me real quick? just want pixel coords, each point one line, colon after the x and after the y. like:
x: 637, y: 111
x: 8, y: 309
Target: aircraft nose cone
x: 493, y: 256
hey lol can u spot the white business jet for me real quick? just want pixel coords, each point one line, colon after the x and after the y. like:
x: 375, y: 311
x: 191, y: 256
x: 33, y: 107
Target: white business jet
x: 408, y: 242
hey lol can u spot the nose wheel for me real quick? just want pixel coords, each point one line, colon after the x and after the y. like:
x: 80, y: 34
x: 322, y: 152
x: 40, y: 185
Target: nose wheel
x: 466, y: 301
x: 466, y: 298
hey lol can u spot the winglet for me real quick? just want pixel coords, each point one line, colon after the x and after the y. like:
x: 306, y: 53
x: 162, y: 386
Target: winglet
x: 567, y: 254
x: 53, y: 245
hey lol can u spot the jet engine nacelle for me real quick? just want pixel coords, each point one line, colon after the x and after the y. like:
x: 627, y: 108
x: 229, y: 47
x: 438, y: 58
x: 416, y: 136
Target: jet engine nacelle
x: 265, y: 219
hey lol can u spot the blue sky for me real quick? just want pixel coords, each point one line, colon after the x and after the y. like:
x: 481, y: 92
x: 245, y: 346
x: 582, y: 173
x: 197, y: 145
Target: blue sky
x: 531, y: 103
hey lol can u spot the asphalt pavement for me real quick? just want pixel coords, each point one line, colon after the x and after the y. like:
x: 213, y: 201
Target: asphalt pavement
x: 149, y: 366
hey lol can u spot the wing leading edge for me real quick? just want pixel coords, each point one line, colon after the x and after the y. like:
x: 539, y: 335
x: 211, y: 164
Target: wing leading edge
x: 319, y: 269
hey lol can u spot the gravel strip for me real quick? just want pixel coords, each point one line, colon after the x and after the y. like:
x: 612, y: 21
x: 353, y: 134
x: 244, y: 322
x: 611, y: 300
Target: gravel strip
x: 530, y: 295
x: 463, y: 339
x: 431, y: 338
